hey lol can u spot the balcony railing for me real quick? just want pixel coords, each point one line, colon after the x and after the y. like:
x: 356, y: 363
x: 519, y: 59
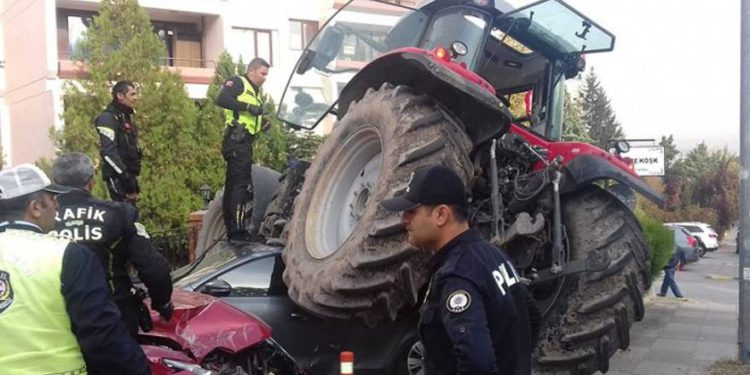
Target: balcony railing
x: 189, y: 63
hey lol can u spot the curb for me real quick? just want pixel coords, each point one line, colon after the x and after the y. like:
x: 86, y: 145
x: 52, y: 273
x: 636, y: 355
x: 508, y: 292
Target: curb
x: 722, y: 278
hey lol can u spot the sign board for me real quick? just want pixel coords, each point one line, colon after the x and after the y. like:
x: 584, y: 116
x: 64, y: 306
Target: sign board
x: 648, y: 160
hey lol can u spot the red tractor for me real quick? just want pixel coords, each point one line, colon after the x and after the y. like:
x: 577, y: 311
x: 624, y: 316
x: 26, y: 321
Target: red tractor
x: 410, y: 86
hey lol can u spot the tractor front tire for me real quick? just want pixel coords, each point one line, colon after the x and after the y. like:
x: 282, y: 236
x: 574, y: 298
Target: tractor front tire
x: 346, y: 256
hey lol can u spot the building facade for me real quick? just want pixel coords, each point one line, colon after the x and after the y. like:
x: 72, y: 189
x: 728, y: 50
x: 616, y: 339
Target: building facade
x: 37, y: 39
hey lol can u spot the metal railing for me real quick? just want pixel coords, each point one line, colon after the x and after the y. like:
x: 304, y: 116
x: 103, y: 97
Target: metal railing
x: 173, y: 245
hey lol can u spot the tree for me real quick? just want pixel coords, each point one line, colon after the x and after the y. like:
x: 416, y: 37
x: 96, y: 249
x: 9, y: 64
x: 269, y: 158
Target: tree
x: 179, y: 150
x: 670, y: 150
x: 597, y: 113
x: 703, y: 186
x: 574, y: 129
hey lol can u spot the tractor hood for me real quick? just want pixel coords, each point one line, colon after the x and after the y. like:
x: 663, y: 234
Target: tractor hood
x: 202, y: 324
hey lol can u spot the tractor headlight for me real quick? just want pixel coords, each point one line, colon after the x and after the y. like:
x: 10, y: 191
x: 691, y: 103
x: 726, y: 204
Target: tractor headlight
x: 622, y: 147
x: 459, y: 48
x: 483, y: 3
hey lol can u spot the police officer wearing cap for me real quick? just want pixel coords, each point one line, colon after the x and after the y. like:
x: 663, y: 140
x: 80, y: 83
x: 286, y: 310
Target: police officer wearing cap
x: 475, y: 318
x: 111, y: 230
x: 56, y: 316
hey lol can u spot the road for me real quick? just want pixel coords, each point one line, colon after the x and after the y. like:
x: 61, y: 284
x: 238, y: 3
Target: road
x: 684, y: 337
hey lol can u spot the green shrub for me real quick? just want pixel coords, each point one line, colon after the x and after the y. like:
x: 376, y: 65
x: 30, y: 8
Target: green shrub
x: 659, y: 239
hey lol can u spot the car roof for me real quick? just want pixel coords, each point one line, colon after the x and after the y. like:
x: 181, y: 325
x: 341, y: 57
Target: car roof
x: 695, y: 223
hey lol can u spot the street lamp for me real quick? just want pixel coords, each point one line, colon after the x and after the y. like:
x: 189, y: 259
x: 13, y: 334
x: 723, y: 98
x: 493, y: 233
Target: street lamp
x: 206, y: 195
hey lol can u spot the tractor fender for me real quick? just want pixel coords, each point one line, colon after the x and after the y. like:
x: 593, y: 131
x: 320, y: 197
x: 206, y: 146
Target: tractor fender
x: 463, y: 93
x: 587, y: 169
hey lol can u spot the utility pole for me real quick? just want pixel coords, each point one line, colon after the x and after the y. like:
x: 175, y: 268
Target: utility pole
x: 744, y: 242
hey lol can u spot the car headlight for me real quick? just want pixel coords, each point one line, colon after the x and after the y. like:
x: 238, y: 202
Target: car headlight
x: 190, y: 367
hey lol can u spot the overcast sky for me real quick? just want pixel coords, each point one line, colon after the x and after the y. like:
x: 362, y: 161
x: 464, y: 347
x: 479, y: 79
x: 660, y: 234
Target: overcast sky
x: 674, y: 70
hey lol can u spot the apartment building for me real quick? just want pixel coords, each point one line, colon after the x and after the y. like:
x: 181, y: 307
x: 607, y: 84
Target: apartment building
x: 37, y: 38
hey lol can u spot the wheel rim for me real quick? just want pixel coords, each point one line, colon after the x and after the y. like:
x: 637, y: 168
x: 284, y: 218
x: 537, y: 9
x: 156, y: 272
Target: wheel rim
x: 347, y: 183
x: 415, y: 359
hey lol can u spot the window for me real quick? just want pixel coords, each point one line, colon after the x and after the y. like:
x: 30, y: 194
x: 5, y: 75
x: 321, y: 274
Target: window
x: 71, y: 25
x: 355, y: 48
x: 251, y: 43
x: 260, y: 277
x: 182, y: 42
x: 693, y: 229
x: 301, y: 33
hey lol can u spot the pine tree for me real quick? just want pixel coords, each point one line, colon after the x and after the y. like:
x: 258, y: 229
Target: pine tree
x: 598, y: 115
x: 574, y: 129
x: 670, y: 150
x: 179, y: 153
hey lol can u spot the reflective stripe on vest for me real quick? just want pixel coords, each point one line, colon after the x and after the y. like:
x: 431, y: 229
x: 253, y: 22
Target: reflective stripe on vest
x: 248, y: 96
x: 34, y: 325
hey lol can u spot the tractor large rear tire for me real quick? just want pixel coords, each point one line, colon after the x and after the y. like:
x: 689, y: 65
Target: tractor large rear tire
x: 265, y: 182
x: 592, y: 317
x: 346, y: 257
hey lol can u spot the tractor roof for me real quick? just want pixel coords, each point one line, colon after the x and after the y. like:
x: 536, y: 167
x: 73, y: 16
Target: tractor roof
x: 551, y: 26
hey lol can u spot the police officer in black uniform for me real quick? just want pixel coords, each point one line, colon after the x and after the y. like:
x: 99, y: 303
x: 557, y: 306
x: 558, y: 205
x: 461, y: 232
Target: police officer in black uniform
x: 119, y: 148
x: 111, y: 230
x: 476, y: 314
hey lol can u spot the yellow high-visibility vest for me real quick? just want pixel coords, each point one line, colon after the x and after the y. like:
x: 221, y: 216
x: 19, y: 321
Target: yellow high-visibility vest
x: 248, y: 96
x: 34, y: 325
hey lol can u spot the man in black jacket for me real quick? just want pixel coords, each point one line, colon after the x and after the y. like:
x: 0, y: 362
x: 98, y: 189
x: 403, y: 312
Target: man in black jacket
x: 119, y: 148
x: 56, y: 315
x: 477, y: 317
x: 112, y: 232
x: 242, y: 100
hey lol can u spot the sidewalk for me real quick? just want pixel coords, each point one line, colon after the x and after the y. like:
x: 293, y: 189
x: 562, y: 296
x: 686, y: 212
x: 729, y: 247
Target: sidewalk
x: 684, y: 337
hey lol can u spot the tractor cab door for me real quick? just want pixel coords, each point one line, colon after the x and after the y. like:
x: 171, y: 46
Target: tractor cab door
x: 529, y: 54
x: 357, y: 33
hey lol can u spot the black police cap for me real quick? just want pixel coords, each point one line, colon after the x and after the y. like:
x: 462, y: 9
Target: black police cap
x: 429, y: 185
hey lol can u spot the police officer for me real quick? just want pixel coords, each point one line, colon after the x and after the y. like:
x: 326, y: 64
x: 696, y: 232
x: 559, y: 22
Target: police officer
x: 111, y: 231
x: 118, y: 139
x: 56, y: 316
x: 241, y: 97
x: 475, y: 315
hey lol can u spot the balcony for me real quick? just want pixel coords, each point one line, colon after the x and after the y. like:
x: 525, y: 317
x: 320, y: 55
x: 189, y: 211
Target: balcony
x: 190, y: 41
x: 378, y: 7
x: 191, y: 70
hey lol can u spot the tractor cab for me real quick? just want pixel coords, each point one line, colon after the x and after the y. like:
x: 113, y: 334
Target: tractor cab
x: 521, y: 56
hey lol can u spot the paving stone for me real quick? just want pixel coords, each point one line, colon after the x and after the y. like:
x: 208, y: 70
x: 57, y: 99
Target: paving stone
x: 660, y: 368
x: 712, y: 350
x: 717, y: 330
x: 674, y: 356
x: 717, y: 338
x: 674, y: 345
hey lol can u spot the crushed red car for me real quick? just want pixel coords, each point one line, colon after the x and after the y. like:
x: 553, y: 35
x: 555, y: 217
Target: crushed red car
x: 208, y: 337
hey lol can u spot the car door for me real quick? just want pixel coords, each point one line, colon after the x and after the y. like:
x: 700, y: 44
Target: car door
x: 257, y: 287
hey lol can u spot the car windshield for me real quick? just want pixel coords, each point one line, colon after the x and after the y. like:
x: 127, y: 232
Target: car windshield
x: 558, y: 25
x: 212, y: 260
x: 693, y: 228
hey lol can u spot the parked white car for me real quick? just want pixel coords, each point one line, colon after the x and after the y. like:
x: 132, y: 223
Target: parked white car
x: 706, y: 235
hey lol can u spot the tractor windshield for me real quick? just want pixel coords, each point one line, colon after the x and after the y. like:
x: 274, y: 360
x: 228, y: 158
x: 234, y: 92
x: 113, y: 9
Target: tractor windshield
x: 526, y: 49
x: 560, y: 28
